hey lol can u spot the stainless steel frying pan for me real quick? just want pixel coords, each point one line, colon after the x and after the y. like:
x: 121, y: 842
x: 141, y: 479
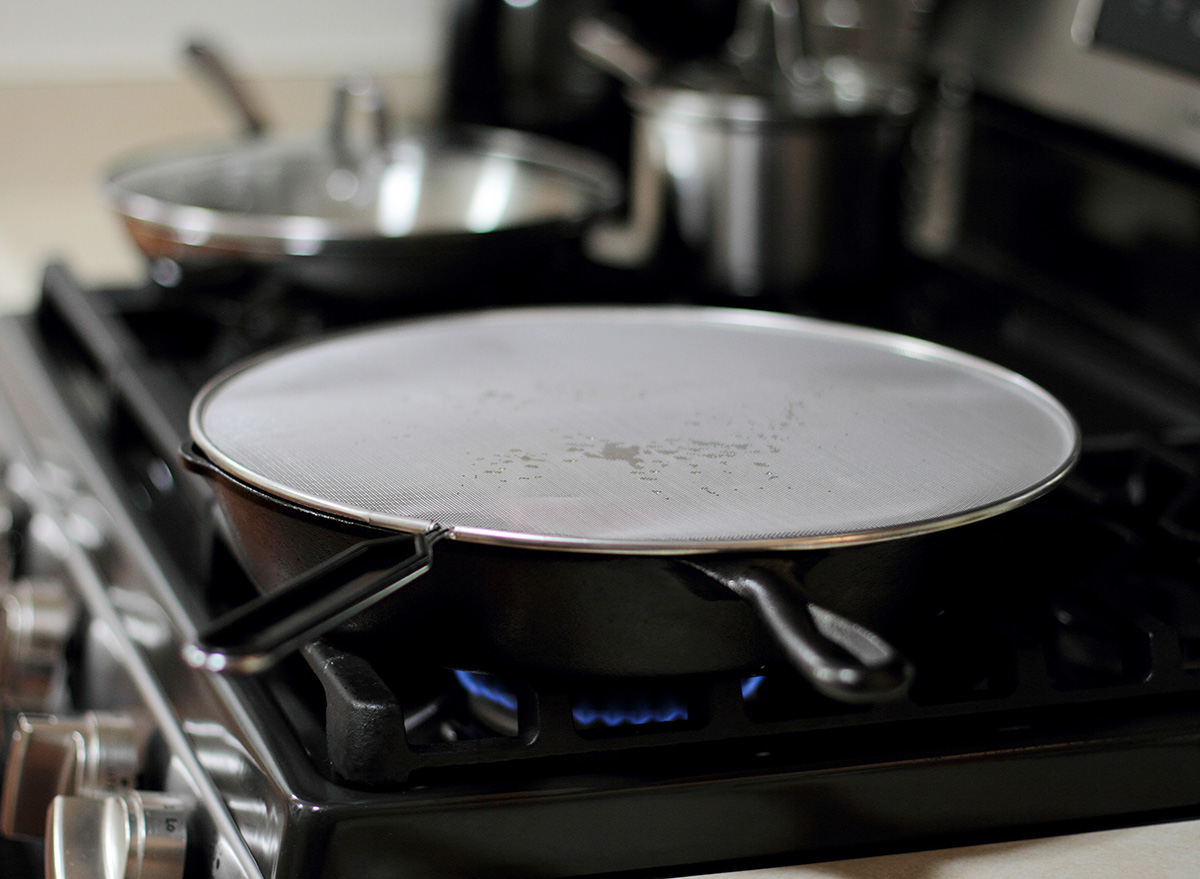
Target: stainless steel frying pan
x: 363, y: 216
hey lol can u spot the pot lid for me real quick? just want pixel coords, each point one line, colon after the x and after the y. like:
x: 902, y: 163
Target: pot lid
x: 619, y: 429
x: 765, y: 78
x: 722, y: 93
x: 303, y: 191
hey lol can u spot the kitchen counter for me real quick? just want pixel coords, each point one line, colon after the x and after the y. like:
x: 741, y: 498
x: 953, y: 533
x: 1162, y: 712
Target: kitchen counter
x: 1163, y: 851
x: 55, y: 142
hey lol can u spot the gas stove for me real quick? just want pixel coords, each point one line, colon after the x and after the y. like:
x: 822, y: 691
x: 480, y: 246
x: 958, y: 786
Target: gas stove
x: 1057, y: 679
x: 1070, y: 654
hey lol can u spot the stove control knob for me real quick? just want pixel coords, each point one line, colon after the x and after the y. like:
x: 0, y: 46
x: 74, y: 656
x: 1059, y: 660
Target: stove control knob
x: 14, y: 518
x: 38, y: 543
x: 126, y: 835
x: 51, y: 755
x: 37, y: 618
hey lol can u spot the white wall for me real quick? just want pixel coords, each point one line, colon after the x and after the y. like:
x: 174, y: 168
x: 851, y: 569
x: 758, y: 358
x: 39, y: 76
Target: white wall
x: 66, y: 40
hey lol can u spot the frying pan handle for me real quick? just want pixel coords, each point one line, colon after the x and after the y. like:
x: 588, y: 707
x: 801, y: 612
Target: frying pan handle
x: 840, y: 658
x: 258, y: 634
x: 217, y: 72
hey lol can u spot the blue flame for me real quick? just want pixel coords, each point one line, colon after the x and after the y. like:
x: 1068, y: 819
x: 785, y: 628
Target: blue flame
x: 486, y: 687
x: 630, y: 708
x: 627, y: 708
x: 750, y: 685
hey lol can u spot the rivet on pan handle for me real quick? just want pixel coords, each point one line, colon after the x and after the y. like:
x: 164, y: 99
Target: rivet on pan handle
x: 840, y: 658
x: 258, y: 634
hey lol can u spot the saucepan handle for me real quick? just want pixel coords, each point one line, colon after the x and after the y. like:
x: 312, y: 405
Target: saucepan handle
x: 258, y: 634
x: 840, y: 658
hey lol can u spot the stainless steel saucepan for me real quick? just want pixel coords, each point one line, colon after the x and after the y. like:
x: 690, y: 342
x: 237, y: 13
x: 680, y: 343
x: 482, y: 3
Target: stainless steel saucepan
x: 770, y: 169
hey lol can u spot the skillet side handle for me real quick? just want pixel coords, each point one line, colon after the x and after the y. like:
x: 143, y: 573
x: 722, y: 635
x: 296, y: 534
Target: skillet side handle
x: 840, y: 658
x: 255, y: 636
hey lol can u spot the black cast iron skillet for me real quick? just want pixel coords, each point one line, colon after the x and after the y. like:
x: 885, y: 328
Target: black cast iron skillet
x: 611, y: 491
x: 553, y: 614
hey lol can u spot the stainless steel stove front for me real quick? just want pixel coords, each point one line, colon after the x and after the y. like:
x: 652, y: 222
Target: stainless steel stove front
x: 92, y: 681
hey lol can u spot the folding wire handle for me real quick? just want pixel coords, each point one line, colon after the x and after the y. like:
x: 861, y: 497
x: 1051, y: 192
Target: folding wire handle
x: 255, y: 636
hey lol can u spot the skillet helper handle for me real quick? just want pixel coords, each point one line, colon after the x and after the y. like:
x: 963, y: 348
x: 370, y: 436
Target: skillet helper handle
x: 840, y: 658
x: 258, y: 634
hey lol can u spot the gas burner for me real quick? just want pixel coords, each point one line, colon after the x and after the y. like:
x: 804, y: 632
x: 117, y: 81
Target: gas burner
x: 495, y: 702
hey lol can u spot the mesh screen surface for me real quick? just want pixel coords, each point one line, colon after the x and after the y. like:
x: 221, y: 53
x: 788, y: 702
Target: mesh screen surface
x: 658, y: 429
